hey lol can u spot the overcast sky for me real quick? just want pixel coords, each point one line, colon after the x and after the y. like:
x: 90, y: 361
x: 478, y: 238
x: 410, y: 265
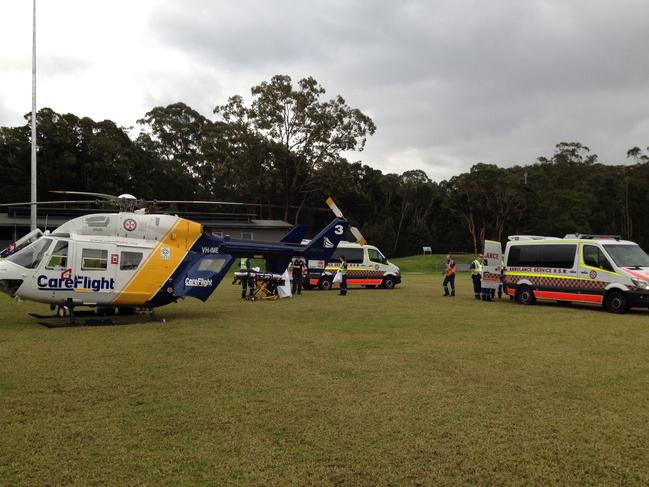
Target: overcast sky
x: 448, y: 83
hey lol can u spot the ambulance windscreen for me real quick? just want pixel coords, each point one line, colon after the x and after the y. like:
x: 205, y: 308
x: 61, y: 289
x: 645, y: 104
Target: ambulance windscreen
x: 31, y: 255
x: 627, y: 255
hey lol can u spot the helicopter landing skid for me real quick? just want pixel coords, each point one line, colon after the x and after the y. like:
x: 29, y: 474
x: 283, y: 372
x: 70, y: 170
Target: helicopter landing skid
x: 90, y: 318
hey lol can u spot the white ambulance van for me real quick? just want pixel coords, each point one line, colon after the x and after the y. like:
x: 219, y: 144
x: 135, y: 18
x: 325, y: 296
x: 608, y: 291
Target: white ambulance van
x: 366, y: 266
x: 595, y: 269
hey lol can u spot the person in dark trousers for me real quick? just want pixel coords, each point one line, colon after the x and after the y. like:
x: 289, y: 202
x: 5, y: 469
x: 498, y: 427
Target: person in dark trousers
x: 502, y: 278
x: 476, y: 268
x: 449, y: 276
x: 296, y: 272
x: 246, y: 282
x: 486, y: 293
x: 343, y: 275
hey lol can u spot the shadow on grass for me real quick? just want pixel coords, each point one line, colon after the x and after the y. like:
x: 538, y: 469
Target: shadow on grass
x: 586, y: 307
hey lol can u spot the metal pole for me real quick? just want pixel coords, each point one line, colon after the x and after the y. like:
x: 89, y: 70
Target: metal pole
x: 33, y: 176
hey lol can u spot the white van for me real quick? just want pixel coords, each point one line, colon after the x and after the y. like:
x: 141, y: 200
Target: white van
x: 366, y: 266
x: 595, y: 269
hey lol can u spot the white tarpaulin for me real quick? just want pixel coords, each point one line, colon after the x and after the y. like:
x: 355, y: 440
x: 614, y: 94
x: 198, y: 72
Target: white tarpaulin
x: 284, y: 291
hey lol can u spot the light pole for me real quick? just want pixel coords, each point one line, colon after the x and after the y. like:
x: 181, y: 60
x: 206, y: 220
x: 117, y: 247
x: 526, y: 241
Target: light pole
x: 33, y: 222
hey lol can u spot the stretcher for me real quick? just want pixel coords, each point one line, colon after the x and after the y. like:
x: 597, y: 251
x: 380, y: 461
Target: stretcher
x: 264, y: 284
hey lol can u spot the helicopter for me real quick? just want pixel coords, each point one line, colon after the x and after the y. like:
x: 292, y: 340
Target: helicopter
x: 135, y: 260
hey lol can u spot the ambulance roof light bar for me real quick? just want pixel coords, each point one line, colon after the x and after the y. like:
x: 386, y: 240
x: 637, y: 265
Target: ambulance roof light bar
x: 587, y: 236
x: 529, y: 237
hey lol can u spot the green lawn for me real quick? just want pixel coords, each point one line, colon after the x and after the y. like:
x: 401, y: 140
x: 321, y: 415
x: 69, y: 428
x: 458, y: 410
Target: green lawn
x: 376, y: 388
x: 428, y: 263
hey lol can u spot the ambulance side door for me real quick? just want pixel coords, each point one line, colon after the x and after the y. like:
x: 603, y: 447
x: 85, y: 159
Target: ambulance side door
x: 595, y: 266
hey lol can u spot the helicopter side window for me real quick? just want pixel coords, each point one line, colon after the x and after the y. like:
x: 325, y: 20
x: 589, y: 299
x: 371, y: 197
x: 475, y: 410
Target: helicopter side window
x: 94, y: 260
x: 129, y: 261
x: 59, y: 258
x: 211, y: 265
x: 31, y: 255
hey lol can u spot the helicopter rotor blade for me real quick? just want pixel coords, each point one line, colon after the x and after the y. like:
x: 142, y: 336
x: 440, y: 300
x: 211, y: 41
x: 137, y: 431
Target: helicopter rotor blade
x: 60, y: 202
x: 359, y: 236
x: 228, y: 203
x: 334, y: 207
x: 190, y: 202
x: 336, y: 211
x: 85, y: 193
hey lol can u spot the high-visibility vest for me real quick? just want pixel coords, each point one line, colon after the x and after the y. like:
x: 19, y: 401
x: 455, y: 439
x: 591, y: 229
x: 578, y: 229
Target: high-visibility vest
x: 477, y: 267
x: 244, y: 264
x: 343, y: 269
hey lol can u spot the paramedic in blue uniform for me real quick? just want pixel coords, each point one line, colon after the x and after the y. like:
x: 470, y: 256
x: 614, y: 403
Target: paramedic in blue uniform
x: 247, y: 281
x: 449, y: 276
x: 476, y: 267
x: 343, y: 275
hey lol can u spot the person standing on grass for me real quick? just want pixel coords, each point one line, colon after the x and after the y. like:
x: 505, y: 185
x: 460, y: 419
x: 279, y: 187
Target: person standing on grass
x: 449, y: 275
x: 247, y: 281
x: 343, y: 275
x: 476, y: 274
x: 296, y: 271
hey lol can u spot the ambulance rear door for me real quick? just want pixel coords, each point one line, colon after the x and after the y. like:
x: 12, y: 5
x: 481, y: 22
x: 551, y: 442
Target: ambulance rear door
x: 492, y: 264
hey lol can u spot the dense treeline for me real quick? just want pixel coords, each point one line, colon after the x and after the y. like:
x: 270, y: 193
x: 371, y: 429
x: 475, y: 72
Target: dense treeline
x: 284, y: 149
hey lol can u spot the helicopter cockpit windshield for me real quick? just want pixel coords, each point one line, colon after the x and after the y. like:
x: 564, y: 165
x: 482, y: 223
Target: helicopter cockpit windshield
x: 30, y: 256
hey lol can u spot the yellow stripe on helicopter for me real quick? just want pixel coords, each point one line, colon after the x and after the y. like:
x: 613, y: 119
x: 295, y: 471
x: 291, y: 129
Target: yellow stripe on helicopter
x: 160, y: 264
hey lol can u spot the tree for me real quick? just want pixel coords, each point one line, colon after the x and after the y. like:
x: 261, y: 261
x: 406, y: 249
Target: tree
x: 636, y: 153
x: 570, y: 153
x: 309, y: 131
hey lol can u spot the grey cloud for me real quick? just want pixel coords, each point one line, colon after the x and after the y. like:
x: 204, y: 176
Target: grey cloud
x: 451, y: 83
x: 9, y: 117
x: 53, y: 65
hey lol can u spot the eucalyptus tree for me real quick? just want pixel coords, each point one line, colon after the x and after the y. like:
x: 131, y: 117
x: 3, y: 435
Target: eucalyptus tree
x: 310, y: 131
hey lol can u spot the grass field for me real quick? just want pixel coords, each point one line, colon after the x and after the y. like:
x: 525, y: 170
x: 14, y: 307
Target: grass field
x: 376, y: 388
x: 428, y: 263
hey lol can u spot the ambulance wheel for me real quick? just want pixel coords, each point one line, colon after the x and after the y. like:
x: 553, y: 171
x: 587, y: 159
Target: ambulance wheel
x: 616, y: 302
x: 388, y: 282
x: 525, y: 295
x: 325, y: 284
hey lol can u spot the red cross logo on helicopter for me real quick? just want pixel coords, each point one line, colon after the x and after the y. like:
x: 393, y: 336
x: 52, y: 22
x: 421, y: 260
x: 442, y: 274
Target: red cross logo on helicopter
x: 130, y: 225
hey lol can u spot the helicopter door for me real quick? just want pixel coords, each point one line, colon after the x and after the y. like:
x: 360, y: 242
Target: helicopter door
x: 52, y: 280
x: 94, y: 270
x: 203, y: 276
